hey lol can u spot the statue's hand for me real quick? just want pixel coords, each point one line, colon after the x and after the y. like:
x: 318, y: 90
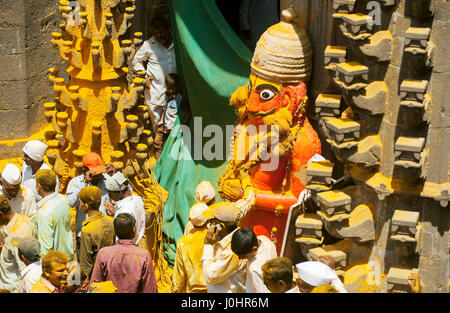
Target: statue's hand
x: 232, y: 190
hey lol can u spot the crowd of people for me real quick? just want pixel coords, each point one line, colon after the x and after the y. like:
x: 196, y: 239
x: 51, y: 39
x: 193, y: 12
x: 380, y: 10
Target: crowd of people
x: 102, y: 249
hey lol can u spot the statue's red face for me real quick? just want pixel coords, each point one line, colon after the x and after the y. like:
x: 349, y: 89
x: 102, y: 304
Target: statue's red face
x: 266, y: 97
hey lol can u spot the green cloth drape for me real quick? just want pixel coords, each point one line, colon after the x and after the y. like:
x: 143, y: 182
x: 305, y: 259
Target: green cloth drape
x: 212, y: 62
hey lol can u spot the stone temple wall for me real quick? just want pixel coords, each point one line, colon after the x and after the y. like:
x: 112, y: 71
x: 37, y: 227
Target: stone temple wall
x: 378, y: 99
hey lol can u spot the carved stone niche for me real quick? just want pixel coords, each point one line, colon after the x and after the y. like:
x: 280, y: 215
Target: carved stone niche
x: 343, y: 6
x: 351, y: 75
x: 408, y: 152
x: 397, y: 280
x: 416, y: 40
x: 357, y: 26
x: 334, y: 202
x: 334, y: 55
x: 340, y: 258
x: 412, y: 93
x: 309, y: 232
x: 405, y: 232
x: 422, y: 8
x: 343, y: 130
x: 328, y: 105
x: 319, y: 173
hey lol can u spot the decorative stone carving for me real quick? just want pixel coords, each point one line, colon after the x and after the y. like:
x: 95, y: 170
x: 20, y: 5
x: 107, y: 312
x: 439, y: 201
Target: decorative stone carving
x: 408, y: 152
x: 334, y: 55
x: 343, y: 130
x: 356, y: 26
x: 374, y: 99
x: 397, y: 280
x: 379, y: 46
x: 328, y: 105
x: 351, y: 75
x: 413, y: 92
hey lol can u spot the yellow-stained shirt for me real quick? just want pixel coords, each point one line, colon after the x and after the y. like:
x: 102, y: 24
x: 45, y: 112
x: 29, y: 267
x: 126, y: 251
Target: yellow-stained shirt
x: 188, y: 270
x: 97, y: 232
x: 43, y: 286
x: 224, y: 272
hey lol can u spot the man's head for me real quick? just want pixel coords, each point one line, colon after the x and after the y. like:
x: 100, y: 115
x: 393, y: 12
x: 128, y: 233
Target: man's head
x: 196, y: 214
x: 93, y: 165
x: 205, y: 193
x: 117, y: 186
x: 5, y: 210
x: 55, y: 268
x: 312, y: 274
x: 172, y: 83
x: 90, y: 198
x: 10, y: 180
x: 125, y: 226
x: 244, y: 243
x: 45, y: 181
x: 224, y: 215
x: 278, y: 274
x: 34, y: 151
x: 160, y: 29
x: 29, y: 249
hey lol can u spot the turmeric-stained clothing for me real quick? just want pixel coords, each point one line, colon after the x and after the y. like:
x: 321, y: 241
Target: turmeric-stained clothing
x: 52, y: 225
x: 188, y: 270
x: 23, y: 203
x: 97, y: 232
x: 44, y: 286
x: 129, y: 267
x: 223, y: 270
x: 266, y: 251
x: 19, y: 227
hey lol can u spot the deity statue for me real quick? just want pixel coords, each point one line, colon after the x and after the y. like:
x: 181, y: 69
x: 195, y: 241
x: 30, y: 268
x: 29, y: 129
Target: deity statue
x: 276, y: 95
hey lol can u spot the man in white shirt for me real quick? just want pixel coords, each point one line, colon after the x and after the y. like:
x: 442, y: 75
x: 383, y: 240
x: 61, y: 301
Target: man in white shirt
x: 312, y: 274
x: 257, y: 251
x: 160, y: 54
x: 123, y: 201
x: 224, y: 272
x: 29, y: 255
x: 16, y: 226
x: 20, y: 197
x: 33, y: 157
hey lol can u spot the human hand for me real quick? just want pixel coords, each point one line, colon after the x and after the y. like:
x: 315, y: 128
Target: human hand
x: 88, y: 176
x: 110, y: 210
x: 110, y: 169
x: 328, y: 260
x: 212, y: 235
x: 148, y: 81
x: 232, y: 190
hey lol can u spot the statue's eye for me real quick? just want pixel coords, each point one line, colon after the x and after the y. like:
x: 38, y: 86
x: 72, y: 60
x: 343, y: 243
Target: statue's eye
x: 266, y: 94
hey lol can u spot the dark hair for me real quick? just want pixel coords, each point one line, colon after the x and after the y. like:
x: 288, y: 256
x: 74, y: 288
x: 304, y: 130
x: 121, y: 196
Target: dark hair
x: 47, y: 179
x: 159, y: 22
x: 278, y: 269
x: 243, y: 241
x: 173, y: 79
x: 123, y: 225
x: 5, y: 206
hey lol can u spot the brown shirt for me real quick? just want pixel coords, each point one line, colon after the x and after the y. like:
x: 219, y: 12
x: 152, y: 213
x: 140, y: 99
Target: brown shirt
x: 97, y: 232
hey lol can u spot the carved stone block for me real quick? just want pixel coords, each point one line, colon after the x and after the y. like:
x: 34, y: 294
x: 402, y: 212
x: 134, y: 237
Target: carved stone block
x: 319, y: 173
x: 328, y: 105
x: 397, y: 280
x: 352, y: 75
x: 334, y: 55
x: 379, y: 46
x: 334, y: 202
x: 404, y: 226
x: 340, y: 257
x: 357, y: 26
x: 343, y: 130
x: 416, y: 40
x: 408, y: 152
x: 344, y: 6
x: 309, y: 225
x: 413, y: 92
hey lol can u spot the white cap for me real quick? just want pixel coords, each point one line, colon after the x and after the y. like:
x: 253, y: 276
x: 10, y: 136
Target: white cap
x: 195, y: 214
x: 117, y: 182
x: 11, y: 173
x: 316, y: 158
x: 204, y: 192
x: 315, y: 273
x: 35, y: 149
